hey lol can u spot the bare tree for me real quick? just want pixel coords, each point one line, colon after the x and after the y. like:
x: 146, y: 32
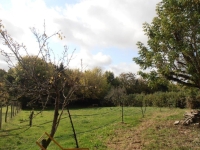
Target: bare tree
x: 52, y: 83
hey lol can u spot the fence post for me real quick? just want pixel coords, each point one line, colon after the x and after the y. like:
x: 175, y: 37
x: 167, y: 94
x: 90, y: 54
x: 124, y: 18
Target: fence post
x: 6, y: 114
x: 122, y: 112
x: 1, y: 116
x: 11, y: 114
x: 31, y: 118
x: 13, y: 109
x: 17, y: 107
x: 77, y: 146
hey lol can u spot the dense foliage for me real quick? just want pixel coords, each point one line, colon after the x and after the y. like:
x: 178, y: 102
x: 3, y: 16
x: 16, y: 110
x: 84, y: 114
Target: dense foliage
x: 99, y: 87
x: 173, y: 49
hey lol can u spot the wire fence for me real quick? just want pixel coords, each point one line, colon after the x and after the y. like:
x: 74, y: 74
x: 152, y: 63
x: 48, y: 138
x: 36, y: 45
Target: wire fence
x: 104, y: 114
x: 84, y: 119
x: 8, y: 111
x: 93, y: 114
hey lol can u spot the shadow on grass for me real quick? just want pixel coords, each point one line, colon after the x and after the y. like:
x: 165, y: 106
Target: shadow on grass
x: 15, y: 129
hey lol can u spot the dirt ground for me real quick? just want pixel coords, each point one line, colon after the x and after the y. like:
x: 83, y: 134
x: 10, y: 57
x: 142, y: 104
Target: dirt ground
x: 155, y: 134
x: 128, y: 139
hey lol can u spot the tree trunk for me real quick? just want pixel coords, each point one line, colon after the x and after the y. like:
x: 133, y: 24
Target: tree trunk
x: 6, y: 114
x: 54, y: 123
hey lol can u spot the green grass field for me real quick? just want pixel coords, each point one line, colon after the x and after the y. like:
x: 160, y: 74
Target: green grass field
x: 96, y: 128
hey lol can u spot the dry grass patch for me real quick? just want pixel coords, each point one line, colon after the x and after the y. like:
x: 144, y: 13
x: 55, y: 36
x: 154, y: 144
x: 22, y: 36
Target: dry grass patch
x: 157, y: 131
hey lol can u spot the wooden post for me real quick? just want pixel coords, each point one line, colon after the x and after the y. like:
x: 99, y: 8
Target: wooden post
x: 31, y: 118
x: 122, y: 112
x: 19, y: 106
x: 6, y: 114
x: 1, y: 116
x: 15, y: 108
x: 11, y: 110
x: 73, y: 128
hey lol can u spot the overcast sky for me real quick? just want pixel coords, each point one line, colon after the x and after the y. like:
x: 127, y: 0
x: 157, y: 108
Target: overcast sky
x: 103, y: 32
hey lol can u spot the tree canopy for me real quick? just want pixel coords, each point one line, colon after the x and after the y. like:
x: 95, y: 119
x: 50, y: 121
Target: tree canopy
x: 173, y: 49
x: 95, y: 82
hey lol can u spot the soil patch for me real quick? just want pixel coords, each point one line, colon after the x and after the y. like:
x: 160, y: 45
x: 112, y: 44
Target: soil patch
x: 155, y: 132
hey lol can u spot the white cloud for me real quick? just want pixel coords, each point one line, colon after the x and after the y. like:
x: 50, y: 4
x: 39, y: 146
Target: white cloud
x: 124, y: 68
x: 89, y: 61
x: 102, y: 59
x: 89, y: 24
x: 107, y: 22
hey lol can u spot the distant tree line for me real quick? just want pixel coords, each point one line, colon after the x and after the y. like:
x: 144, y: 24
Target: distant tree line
x: 100, y: 88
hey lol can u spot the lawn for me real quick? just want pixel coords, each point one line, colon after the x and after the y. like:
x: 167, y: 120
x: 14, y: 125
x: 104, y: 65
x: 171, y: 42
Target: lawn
x: 102, y: 128
x: 93, y: 126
